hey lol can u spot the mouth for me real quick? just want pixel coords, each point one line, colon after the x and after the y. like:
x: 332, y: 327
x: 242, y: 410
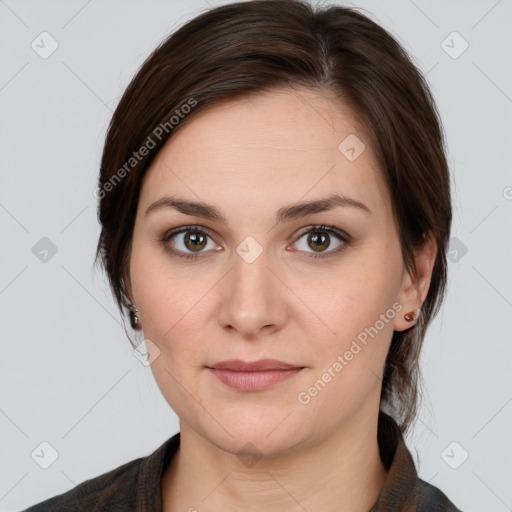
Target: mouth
x: 253, y: 376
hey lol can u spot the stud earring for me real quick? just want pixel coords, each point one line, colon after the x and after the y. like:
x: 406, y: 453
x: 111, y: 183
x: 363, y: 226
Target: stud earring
x: 134, y: 319
x: 412, y: 315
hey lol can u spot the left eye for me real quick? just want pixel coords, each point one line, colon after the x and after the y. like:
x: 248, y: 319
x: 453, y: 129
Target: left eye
x: 319, y: 239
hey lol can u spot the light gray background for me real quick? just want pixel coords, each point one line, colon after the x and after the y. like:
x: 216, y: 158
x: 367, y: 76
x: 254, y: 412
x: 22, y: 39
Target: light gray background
x: 68, y: 375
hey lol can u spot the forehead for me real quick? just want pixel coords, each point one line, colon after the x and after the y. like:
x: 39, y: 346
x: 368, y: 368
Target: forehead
x: 266, y: 146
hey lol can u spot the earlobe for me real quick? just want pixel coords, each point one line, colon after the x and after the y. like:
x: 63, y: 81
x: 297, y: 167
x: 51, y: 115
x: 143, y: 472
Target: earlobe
x: 408, y: 320
x: 134, y: 319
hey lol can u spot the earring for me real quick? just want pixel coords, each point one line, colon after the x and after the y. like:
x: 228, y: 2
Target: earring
x: 134, y: 319
x: 412, y: 315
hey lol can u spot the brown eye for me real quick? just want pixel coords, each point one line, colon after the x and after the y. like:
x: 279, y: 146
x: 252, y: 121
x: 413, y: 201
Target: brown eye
x: 194, y: 240
x: 318, y: 239
x: 188, y: 241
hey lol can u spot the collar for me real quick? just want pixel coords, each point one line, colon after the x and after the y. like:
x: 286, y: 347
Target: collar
x: 150, y: 476
x: 400, y: 489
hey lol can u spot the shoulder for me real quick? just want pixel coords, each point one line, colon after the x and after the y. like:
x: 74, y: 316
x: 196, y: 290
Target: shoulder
x: 403, y: 489
x: 432, y: 499
x: 113, y: 490
x: 130, y: 486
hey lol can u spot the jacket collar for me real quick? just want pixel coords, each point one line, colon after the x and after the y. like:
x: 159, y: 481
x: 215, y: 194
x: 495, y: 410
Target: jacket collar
x: 400, y: 488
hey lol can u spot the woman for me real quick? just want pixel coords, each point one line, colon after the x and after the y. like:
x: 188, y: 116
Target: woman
x: 275, y: 209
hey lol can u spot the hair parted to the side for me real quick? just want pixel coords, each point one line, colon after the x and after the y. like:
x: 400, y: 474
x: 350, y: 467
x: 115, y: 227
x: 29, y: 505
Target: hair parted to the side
x: 249, y: 47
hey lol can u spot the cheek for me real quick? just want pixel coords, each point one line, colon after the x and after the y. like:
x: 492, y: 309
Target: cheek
x: 357, y: 308
x: 350, y: 298
x: 163, y: 295
x: 173, y: 303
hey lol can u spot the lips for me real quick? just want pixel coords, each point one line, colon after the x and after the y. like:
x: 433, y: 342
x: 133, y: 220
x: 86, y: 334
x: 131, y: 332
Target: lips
x: 253, y: 376
x: 237, y: 365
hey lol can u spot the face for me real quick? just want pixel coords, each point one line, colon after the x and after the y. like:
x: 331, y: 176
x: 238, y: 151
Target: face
x: 262, y: 279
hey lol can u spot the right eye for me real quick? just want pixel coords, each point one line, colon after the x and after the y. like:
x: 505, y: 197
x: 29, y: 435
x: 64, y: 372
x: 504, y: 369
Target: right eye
x: 189, y: 241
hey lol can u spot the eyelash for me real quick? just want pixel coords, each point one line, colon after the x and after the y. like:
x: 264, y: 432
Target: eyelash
x: 332, y: 230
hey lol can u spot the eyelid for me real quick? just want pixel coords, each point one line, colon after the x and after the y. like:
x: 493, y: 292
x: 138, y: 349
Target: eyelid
x: 325, y: 227
x: 191, y: 227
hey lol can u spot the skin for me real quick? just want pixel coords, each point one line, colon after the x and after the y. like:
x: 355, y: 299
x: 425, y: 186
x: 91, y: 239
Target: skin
x: 250, y: 157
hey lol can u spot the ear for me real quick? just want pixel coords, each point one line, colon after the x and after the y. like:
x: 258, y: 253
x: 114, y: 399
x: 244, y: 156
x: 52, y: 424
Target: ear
x: 415, y: 288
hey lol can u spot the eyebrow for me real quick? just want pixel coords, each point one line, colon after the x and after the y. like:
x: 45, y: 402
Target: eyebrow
x: 285, y: 214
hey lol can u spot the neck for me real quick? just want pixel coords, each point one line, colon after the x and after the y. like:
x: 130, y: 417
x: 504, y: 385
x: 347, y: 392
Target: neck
x: 342, y: 473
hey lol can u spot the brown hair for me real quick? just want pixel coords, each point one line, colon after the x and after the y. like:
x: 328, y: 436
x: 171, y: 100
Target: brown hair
x: 248, y: 47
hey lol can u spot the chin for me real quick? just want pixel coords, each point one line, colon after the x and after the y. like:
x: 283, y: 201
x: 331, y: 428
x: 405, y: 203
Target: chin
x: 256, y: 436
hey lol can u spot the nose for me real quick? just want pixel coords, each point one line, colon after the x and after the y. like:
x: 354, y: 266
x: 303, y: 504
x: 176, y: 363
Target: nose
x: 253, y: 298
